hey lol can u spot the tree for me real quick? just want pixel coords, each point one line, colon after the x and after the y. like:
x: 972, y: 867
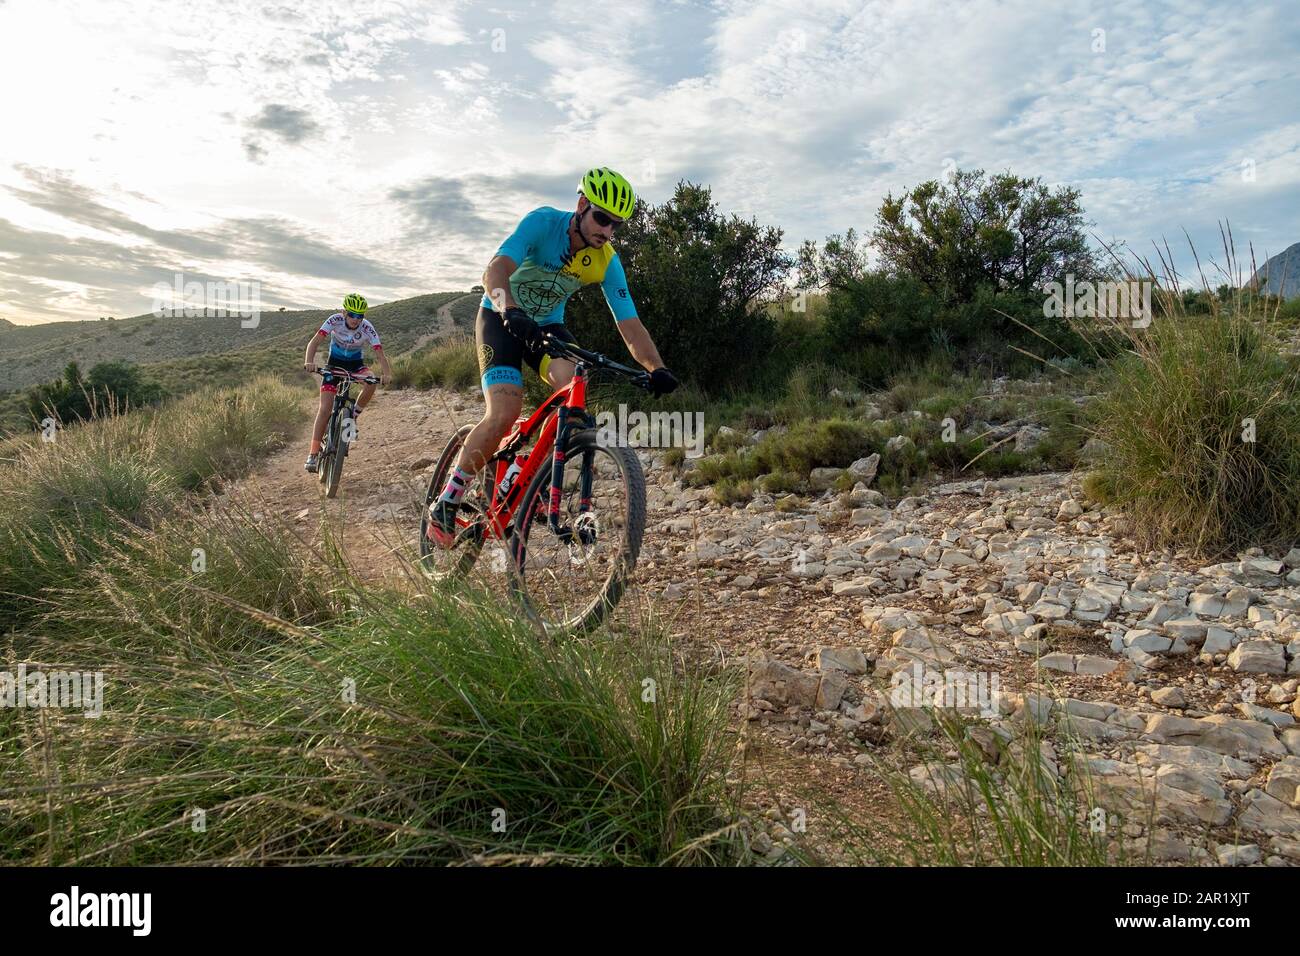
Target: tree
x: 1005, y: 232
x: 837, y: 265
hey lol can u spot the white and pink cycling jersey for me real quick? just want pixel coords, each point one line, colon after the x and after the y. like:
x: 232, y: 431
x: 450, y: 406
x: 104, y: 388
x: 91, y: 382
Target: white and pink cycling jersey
x: 346, y: 343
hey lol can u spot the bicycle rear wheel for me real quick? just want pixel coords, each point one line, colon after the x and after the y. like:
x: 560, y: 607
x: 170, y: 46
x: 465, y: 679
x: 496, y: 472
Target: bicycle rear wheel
x: 570, y: 586
x: 436, y: 562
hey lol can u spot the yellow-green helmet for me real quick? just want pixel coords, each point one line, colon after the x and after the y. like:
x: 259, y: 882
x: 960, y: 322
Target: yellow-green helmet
x: 608, y: 190
x: 355, y: 302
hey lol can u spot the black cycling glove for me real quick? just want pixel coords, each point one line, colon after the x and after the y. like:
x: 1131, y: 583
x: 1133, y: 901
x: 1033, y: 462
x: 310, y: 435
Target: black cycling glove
x: 662, y: 382
x: 522, y: 326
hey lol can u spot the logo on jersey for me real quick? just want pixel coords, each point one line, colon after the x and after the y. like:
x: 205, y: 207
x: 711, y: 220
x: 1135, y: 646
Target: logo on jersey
x: 348, y: 341
x: 540, y: 296
x: 484, y: 357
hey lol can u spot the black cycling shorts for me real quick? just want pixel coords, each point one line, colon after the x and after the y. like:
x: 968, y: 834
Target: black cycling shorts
x: 501, y: 356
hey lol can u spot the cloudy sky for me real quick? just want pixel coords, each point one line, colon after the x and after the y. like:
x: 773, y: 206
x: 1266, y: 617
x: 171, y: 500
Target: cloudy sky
x: 389, y: 146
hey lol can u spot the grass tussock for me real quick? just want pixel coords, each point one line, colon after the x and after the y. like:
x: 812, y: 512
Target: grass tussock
x: 437, y: 731
x: 974, y: 795
x: 192, y: 574
x: 452, y: 363
x: 68, y: 499
x: 1201, y: 427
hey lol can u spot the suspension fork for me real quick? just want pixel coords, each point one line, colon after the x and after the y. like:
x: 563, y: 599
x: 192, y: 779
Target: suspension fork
x: 563, y: 428
x: 340, y: 401
x: 584, y: 493
x: 557, y: 468
x: 557, y: 479
x: 340, y: 404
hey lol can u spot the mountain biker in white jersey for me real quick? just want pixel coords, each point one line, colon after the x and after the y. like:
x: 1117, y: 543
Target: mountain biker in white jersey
x: 348, y: 331
x: 550, y: 255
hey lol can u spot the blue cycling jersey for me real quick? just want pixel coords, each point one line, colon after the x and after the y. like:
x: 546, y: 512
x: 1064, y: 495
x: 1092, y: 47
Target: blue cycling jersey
x: 548, y: 274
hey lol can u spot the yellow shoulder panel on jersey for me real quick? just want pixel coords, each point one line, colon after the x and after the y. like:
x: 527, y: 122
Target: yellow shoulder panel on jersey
x: 588, y: 265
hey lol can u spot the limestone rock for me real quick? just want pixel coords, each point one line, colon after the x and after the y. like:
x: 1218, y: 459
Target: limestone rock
x: 1284, y: 781
x: 1068, y: 509
x: 782, y: 684
x: 819, y: 479
x: 1170, y: 697
x: 850, y: 660
x: 1258, y: 657
x: 1218, y: 640
x: 1263, y: 812
x: 1244, y: 854
x: 864, y: 469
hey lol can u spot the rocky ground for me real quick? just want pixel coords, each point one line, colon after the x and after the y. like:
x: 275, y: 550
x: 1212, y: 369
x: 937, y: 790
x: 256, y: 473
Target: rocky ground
x: 1174, y: 685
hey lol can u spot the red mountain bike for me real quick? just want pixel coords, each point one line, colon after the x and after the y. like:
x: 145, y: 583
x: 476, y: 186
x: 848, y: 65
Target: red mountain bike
x: 569, y: 536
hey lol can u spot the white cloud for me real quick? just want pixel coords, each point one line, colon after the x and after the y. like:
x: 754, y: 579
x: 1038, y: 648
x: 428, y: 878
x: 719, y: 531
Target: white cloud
x: 804, y: 113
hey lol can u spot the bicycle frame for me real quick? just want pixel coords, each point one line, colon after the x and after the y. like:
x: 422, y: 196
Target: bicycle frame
x: 342, y: 398
x: 554, y: 419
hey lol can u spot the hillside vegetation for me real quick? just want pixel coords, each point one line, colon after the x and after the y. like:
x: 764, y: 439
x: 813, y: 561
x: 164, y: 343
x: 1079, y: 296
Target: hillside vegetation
x: 183, y: 354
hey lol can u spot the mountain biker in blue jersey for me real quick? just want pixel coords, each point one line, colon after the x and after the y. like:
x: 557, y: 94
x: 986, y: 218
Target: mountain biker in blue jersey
x: 348, y: 332
x: 551, y: 254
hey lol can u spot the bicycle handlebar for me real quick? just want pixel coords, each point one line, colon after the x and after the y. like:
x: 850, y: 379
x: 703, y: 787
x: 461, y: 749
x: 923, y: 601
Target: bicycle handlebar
x: 558, y: 348
x: 344, y: 373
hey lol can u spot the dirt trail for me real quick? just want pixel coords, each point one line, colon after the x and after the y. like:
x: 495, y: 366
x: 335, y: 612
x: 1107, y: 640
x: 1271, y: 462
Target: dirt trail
x: 399, y: 437
x: 446, y: 325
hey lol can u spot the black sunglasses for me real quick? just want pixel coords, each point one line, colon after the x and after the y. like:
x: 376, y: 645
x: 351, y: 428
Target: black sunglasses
x: 605, y: 220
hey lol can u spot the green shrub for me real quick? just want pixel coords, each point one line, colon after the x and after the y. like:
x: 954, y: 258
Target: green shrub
x: 878, y: 310
x: 808, y: 392
x: 110, y: 387
x: 728, y: 491
x: 833, y: 442
x: 782, y: 482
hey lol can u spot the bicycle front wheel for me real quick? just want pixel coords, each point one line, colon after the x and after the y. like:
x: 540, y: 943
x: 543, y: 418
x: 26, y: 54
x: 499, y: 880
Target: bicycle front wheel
x: 334, y: 468
x: 569, y: 582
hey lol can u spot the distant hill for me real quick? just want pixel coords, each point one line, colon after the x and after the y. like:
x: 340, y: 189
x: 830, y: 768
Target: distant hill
x: 183, y: 353
x: 1281, y: 275
x: 37, y: 353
